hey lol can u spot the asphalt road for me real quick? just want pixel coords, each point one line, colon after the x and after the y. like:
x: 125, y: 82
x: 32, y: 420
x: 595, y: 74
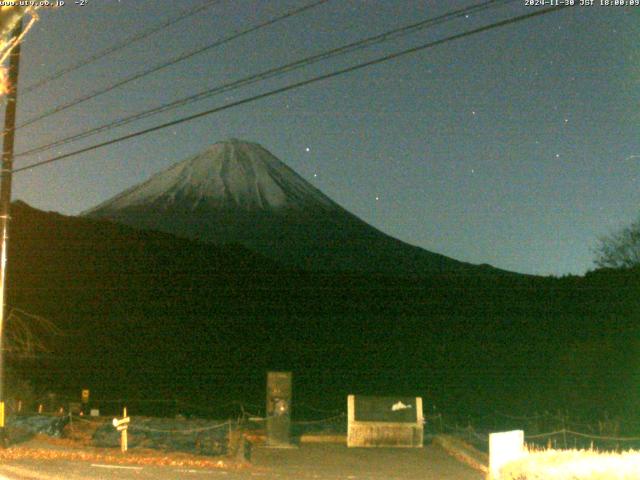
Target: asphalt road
x: 315, y: 461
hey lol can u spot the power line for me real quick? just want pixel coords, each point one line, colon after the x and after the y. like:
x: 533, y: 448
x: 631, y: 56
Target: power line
x: 169, y: 63
x: 119, y: 46
x: 275, y: 72
x: 293, y: 86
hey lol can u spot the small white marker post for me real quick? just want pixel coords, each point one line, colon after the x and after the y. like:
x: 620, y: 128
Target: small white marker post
x: 121, y: 425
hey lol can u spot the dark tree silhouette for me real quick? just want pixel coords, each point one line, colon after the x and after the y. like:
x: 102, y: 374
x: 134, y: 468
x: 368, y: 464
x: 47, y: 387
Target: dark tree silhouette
x: 620, y: 249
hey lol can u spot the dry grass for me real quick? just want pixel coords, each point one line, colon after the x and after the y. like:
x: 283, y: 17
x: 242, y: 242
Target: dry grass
x: 81, y: 432
x: 111, y: 457
x: 76, y: 446
x: 574, y: 465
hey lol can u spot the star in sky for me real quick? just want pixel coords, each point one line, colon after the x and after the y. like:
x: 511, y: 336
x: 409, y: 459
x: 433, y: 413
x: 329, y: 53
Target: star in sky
x: 563, y: 81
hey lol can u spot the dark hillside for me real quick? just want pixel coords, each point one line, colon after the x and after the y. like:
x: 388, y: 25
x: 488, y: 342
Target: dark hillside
x: 150, y: 315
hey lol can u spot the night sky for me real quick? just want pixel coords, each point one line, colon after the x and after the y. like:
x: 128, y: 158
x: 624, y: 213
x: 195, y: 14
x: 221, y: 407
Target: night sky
x: 517, y: 147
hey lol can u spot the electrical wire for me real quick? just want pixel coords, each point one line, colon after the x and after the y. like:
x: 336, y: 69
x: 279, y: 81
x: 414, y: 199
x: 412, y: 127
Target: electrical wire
x: 275, y: 72
x: 174, y: 61
x: 583, y: 435
x: 296, y: 85
x: 119, y: 46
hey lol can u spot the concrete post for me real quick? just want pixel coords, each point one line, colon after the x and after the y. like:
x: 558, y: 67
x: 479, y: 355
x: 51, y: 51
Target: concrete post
x: 504, y: 447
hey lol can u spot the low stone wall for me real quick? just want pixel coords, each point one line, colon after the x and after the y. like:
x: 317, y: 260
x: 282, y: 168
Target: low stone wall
x: 203, y: 437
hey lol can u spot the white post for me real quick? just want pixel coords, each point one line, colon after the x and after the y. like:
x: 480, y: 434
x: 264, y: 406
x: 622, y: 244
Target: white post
x: 351, y: 416
x: 123, y: 434
x: 504, y: 447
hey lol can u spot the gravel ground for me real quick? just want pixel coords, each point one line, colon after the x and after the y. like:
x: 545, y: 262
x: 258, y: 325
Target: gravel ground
x: 326, y: 461
x: 317, y: 461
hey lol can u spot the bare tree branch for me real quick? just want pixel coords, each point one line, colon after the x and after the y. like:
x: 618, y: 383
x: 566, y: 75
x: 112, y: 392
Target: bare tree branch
x: 620, y: 249
x: 27, y: 333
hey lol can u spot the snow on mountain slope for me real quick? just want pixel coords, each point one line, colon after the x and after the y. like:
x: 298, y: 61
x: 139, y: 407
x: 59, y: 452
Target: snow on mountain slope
x: 230, y: 174
x: 238, y: 192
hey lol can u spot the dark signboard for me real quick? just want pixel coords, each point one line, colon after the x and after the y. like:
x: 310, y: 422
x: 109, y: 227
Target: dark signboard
x: 386, y: 409
x: 278, y: 408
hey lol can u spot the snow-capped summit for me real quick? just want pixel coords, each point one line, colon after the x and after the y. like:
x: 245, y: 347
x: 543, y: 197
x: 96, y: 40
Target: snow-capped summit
x: 238, y: 192
x: 232, y: 174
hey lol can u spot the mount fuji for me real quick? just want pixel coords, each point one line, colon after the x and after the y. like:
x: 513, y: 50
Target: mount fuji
x: 238, y: 192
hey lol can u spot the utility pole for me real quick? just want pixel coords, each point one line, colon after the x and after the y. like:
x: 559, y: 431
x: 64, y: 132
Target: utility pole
x: 5, y: 204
